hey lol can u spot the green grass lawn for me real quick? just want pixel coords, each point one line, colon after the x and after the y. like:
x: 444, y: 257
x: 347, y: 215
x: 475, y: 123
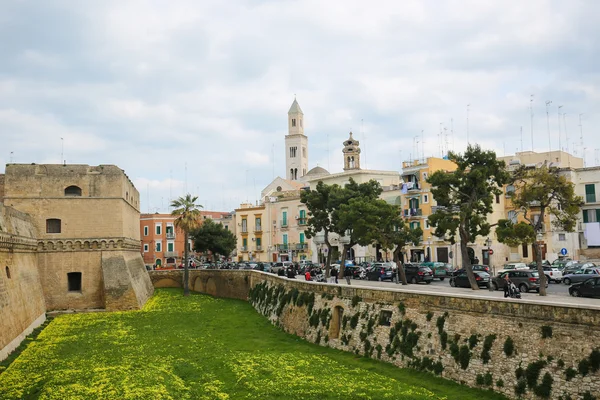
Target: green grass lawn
x: 201, y: 347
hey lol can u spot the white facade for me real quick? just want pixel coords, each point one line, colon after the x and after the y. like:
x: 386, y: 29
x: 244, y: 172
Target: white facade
x: 296, y: 145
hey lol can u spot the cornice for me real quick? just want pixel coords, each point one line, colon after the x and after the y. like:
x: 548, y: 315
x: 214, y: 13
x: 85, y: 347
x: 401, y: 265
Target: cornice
x: 15, y: 242
x: 92, y: 244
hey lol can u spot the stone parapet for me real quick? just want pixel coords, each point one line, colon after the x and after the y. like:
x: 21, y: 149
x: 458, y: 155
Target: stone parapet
x: 92, y: 244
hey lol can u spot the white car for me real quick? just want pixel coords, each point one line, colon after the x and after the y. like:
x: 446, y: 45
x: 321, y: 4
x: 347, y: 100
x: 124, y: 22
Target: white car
x: 512, y: 267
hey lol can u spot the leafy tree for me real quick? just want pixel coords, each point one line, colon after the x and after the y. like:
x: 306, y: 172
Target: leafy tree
x: 359, y: 216
x: 188, y: 215
x: 213, y: 237
x: 540, y: 192
x: 465, y: 197
x: 396, y: 235
x: 512, y: 234
x: 321, y: 203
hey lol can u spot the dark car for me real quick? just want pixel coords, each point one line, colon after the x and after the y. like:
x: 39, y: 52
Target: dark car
x: 440, y: 270
x: 462, y: 280
x: 525, y: 280
x: 383, y: 273
x: 581, y: 275
x: 417, y: 273
x: 476, y: 267
x: 588, y: 288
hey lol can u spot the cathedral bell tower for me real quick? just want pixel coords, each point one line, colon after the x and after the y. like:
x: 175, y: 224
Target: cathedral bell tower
x: 351, y: 154
x: 296, y: 144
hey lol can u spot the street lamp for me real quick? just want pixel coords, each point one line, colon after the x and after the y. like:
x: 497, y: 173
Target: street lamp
x: 429, y: 249
x: 488, y: 242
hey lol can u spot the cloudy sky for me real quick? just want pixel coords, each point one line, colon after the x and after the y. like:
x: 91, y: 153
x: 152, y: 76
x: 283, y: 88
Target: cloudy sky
x: 193, y: 95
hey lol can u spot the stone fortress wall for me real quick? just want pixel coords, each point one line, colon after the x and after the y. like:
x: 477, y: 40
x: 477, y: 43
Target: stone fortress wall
x: 520, y: 348
x: 84, y: 236
x: 22, y: 305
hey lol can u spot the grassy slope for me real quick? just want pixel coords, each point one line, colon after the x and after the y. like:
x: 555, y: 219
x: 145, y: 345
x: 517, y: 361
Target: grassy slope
x: 201, y: 348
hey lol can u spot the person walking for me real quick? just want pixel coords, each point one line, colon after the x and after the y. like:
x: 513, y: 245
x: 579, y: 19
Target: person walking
x: 334, y: 275
x: 347, y: 275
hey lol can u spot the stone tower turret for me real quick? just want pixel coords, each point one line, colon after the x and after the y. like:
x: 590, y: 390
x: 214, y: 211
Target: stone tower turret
x: 351, y: 154
x: 296, y: 144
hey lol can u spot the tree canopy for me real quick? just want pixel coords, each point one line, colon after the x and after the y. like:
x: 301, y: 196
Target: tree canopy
x: 213, y: 237
x: 539, y: 192
x: 395, y: 235
x: 187, y: 214
x: 464, y: 198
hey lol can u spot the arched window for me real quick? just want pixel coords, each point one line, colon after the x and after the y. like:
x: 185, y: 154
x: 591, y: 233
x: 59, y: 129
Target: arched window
x: 73, y: 191
x: 53, y: 225
x: 293, y: 122
x: 7, y: 272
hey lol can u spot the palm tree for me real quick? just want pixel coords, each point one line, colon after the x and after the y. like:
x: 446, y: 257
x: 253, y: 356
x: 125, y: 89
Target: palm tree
x: 188, y: 215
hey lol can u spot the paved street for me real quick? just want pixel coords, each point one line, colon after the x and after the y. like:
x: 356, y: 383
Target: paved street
x: 558, y: 293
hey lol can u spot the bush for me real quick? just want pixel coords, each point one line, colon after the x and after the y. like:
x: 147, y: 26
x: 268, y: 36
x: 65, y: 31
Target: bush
x: 443, y: 339
x: 546, y: 331
x: 594, y: 359
x: 379, y: 349
x: 532, y: 372
x: 487, y: 346
x: 479, y: 379
x: 500, y: 383
x: 519, y: 373
x: 464, y: 357
x: 473, y: 340
x: 521, y: 387
x: 570, y: 373
x: 429, y: 316
x: 509, y: 347
x: 544, y: 389
x: 440, y: 324
x: 588, y: 396
x: 487, y: 379
x: 584, y: 367
x: 438, y: 368
x: 401, y: 308
x: 354, y: 321
x: 355, y: 300
x: 454, y: 351
x: 560, y: 363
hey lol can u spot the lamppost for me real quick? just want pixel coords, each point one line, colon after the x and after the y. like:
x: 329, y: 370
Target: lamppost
x: 429, y: 249
x: 488, y: 242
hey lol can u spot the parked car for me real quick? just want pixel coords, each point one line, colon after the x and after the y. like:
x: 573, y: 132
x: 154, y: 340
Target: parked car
x: 513, y: 266
x: 381, y: 273
x: 533, y: 264
x: 462, y: 280
x: 440, y: 269
x: 525, y: 280
x: 552, y: 273
x: 588, y: 288
x: 418, y: 273
x: 476, y: 267
x: 581, y: 275
x: 280, y: 265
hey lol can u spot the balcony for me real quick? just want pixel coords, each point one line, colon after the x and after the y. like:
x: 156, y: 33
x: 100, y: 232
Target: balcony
x: 413, y: 212
x: 170, y: 254
x: 244, y: 249
x: 244, y: 231
x: 170, y: 235
x: 282, y: 247
x: 258, y: 248
x: 302, y: 221
x: 283, y: 223
x: 257, y: 229
x: 301, y: 246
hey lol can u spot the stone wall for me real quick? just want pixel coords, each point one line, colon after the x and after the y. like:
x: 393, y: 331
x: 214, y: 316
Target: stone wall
x: 127, y: 285
x: 22, y: 306
x: 535, y: 349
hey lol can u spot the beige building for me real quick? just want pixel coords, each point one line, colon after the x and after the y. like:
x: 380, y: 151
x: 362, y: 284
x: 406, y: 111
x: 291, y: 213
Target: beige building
x: 87, y: 229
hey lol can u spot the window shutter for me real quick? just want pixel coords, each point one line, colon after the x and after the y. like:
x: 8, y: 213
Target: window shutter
x: 585, y: 216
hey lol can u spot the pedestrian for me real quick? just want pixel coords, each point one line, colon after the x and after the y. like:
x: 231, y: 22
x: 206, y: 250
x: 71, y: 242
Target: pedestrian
x: 307, y: 275
x: 334, y: 274
x: 507, y: 284
x: 347, y: 274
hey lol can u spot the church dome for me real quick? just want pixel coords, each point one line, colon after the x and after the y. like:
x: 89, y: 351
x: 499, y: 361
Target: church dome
x: 316, y: 171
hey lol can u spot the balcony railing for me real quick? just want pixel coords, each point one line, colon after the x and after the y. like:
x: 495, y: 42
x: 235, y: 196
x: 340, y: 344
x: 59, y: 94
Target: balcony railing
x: 302, y: 221
x: 258, y: 248
x: 170, y: 235
x: 301, y: 246
x: 258, y: 228
x: 244, y: 248
x: 282, y: 247
x: 284, y: 223
x: 170, y: 254
x: 244, y: 230
x: 413, y: 212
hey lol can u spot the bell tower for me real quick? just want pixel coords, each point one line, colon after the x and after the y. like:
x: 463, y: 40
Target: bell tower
x: 351, y: 153
x: 296, y: 144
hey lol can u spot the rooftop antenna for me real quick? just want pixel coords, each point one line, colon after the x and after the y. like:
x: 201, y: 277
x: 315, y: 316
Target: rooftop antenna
x: 559, y: 133
x: 441, y: 141
x: 531, y: 114
x: 521, y: 139
x: 62, y: 151
x: 468, y: 109
x: 548, y: 102
x: 423, y: 144
x: 446, y: 137
x: 12, y: 153
x: 255, y: 191
x: 566, y: 131
x: 170, y: 186
x: 452, y: 131
x: 581, y: 138
x: 148, y: 197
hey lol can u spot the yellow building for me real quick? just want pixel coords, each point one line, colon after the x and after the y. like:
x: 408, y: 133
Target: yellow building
x: 249, y: 221
x: 417, y: 205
